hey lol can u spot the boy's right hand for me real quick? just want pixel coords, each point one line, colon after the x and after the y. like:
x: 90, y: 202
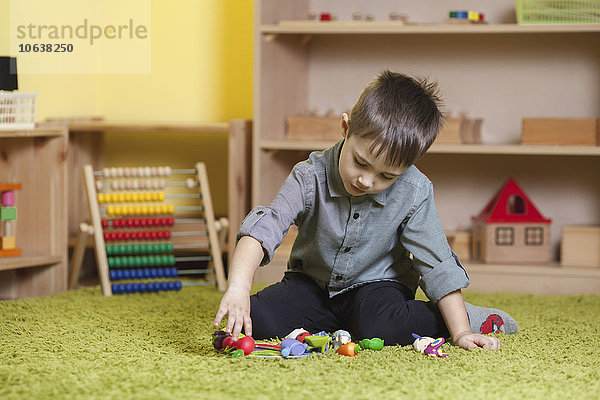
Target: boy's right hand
x: 235, y: 304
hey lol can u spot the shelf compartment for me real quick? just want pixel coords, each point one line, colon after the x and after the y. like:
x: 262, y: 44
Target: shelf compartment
x: 25, y: 261
x: 542, y: 279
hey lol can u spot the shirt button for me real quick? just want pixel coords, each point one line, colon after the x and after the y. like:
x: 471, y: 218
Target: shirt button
x: 355, y: 215
x: 260, y: 212
x: 347, y: 249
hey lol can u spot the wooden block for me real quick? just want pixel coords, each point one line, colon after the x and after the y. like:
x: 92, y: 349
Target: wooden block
x: 471, y: 131
x: 9, y: 186
x: 313, y: 128
x: 460, y: 243
x: 561, y: 131
x: 451, y: 131
x: 10, y: 252
x: 8, y: 242
x: 8, y: 213
x: 8, y: 228
x: 580, y: 246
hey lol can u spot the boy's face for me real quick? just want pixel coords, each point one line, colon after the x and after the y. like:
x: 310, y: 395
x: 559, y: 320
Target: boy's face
x: 361, y: 171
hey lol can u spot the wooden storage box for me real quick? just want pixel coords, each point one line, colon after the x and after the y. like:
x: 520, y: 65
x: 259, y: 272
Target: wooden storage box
x: 580, y: 246
x: 299, y: 127
x: 561, y: 131
x: 461, y: 130
x: 460, y: 243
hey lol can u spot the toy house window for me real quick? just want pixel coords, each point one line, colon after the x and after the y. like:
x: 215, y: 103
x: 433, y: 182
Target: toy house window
x: 534, y: 236
x: 505, y: 236
x: 516, y: 204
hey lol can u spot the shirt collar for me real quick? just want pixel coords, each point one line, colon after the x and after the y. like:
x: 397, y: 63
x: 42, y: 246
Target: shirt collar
x: 334, y: 180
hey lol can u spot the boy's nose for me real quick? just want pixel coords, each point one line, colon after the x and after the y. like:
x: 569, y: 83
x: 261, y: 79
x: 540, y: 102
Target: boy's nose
x: 365, y: 181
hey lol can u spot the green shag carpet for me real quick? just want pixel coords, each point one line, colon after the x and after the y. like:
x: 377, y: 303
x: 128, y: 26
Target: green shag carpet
x: 80, y: 345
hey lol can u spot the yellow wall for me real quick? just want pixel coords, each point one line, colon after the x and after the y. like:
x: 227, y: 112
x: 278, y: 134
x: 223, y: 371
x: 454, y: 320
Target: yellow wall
x: 201, y: 71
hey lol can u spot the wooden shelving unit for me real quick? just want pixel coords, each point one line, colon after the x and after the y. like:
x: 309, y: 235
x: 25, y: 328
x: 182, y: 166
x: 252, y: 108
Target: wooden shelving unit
x: 541, y: 150
x: 398, y: 28
x: 500, y: 72
x: 37, y: 159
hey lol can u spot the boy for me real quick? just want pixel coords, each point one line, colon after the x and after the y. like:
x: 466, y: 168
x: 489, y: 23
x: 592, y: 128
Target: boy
x: 368, y: 234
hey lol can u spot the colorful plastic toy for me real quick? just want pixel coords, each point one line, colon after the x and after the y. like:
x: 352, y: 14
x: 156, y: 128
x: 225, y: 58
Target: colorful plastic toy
x: 347, y: 349
x: 429, y: 346
x: 370, y: 344
x: 318, y: 342
x: 341, y: 337
x: 351, y: 349
x: 236, y: 348
x: 292, y: 347
x: 298, y: 334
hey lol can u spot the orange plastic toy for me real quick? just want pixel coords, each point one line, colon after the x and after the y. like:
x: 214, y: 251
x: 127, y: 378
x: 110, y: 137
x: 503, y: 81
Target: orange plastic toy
x: 347, y: 349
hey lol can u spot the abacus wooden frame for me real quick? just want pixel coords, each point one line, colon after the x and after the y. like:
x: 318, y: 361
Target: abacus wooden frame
x: 100, y: 245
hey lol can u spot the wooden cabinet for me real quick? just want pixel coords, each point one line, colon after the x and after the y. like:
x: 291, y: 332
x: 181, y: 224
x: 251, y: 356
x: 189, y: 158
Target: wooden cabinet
x: 37, y: 159
x: 500, y: 72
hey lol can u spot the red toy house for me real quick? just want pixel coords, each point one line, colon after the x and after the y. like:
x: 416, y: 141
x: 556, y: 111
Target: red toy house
x: 510, y: 229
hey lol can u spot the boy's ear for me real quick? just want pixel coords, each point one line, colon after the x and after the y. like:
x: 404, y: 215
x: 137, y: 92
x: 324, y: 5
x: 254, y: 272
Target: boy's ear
x: 345, y: 122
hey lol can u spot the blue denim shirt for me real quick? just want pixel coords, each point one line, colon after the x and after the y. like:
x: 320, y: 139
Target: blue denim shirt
x: 345, y: 241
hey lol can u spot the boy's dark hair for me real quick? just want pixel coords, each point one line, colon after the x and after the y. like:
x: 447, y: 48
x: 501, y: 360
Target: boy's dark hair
x: 400, y: 114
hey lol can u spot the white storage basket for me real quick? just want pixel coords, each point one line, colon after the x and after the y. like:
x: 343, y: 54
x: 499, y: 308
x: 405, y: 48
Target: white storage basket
x: 17, y: 110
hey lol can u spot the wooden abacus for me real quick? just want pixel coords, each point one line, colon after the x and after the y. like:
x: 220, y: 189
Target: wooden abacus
x: 140, y: 217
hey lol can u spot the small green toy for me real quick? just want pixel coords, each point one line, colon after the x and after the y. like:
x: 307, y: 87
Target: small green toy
x: 369, y: 344
x: 351, y: 349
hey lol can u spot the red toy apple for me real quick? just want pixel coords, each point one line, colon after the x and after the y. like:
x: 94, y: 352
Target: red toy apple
x: 227, y: 343
x: 246, y: 344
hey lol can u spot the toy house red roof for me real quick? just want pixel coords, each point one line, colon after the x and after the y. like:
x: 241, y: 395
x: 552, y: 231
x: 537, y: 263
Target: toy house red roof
x: 510, y: 204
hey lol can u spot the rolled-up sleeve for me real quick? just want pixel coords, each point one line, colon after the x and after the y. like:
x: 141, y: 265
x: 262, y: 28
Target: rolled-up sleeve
x: 269, y: 225
x: 422, y: 235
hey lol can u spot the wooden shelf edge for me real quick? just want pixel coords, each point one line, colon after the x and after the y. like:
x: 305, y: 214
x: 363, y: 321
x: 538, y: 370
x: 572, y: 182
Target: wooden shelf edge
x: 104, y: 126
x: 9, y: 263
x: 295, y: 144
x: 510, y: 149
x: 31, y: 133
x: 387, y: 27
x: 555, y: 270
x: 516, y: 149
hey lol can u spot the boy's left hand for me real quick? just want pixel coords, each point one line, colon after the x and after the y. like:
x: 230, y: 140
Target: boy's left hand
x: 470, y: 340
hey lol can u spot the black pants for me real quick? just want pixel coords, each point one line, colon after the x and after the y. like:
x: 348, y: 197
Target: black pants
x: 385, y: 310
